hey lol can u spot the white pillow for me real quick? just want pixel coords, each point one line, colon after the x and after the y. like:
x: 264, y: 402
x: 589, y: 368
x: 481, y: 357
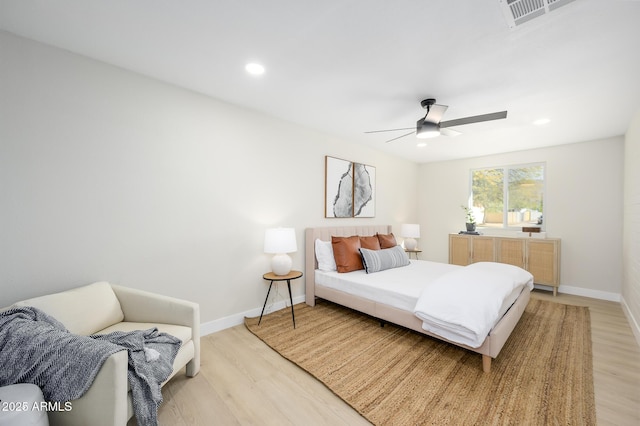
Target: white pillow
x: 324, y: 255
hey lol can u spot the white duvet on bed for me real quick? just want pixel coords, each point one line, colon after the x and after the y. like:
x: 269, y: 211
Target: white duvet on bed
x: 464, y: 305
x: 397, y: 287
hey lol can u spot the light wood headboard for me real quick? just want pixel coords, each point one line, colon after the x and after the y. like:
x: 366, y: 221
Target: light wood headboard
x: 325, y: 234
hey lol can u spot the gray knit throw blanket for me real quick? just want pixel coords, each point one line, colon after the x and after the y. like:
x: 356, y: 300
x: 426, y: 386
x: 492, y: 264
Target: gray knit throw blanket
x: 36, y: 348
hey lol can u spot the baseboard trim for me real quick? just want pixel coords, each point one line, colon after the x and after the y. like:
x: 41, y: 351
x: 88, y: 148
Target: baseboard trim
x: 237, y: 319
x: 633, y: 323
x: 579, y: 291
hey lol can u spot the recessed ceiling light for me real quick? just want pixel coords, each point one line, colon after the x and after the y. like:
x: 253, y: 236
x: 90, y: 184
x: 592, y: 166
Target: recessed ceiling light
x: 254, y: 69
x: 542, y: 121
x: 421, y: 144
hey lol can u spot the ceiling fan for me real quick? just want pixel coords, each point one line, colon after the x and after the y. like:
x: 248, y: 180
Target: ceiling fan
x: 430, y: 125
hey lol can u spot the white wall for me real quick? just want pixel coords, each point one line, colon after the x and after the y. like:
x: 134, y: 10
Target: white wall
x: 631, y: 240
x: 583, y: 206
x: 109, y: 175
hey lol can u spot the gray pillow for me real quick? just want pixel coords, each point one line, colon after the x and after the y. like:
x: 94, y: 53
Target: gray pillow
x: 379, y: 260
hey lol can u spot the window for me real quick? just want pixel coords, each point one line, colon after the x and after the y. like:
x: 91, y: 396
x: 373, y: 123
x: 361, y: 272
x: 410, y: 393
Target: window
x: 511, y: 196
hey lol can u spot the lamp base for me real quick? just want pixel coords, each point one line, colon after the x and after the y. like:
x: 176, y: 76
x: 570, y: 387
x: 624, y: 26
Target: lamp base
x: 281, y: 264
x: 410, y: 244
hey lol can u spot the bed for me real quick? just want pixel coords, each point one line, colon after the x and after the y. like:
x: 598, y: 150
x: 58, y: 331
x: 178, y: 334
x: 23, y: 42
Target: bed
x: 395, y: 308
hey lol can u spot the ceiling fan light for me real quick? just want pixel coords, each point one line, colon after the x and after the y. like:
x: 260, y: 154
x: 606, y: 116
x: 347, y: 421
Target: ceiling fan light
x: 428, y: 134
x: 425, y: 130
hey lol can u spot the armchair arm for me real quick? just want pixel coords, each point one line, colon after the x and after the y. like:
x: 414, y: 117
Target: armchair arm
x: 143, y: 306
x: 105, y: 403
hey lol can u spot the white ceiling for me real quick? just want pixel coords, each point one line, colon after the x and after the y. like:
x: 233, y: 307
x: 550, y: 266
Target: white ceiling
x: 348, y: 66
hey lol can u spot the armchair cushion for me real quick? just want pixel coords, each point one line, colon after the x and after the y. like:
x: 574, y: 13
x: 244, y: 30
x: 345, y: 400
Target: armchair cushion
x: 181, y: 332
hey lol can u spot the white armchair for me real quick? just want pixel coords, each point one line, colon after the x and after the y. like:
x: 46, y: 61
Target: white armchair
x: 102, y: 308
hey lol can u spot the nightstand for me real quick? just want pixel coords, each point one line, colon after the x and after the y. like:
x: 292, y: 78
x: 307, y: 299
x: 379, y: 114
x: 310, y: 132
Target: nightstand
x: 270, y: 276
x: 416, y: 251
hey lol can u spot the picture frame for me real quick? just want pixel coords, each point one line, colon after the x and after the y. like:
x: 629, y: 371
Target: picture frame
x: 349, y: 189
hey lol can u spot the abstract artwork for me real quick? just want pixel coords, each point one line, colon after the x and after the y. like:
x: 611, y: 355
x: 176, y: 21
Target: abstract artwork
x: 349, y: 188
x: 364, y: 180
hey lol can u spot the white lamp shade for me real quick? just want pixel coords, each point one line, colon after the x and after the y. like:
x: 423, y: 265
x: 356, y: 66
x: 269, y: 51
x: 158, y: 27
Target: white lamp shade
x: 280, y: 240
x: 410, y: 230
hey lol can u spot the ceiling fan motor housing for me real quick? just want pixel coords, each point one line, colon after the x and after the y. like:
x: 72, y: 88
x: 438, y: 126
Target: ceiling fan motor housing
x: 427, y: 129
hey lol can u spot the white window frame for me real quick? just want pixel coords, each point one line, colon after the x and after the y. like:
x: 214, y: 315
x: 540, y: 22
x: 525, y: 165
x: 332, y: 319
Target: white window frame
x: 505, y: 194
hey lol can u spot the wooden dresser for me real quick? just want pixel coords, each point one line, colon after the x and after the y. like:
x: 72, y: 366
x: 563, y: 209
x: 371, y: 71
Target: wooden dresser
x: 539, y: 256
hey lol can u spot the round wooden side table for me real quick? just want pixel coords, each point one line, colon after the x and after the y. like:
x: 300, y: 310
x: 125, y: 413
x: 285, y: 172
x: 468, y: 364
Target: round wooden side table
x: 270, y: 276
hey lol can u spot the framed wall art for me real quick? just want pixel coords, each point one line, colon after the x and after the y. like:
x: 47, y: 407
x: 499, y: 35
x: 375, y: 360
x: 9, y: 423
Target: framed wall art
x: 349, y: 188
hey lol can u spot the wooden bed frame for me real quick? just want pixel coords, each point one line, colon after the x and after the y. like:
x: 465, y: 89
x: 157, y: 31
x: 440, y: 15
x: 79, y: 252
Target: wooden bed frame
x: 489, y: 349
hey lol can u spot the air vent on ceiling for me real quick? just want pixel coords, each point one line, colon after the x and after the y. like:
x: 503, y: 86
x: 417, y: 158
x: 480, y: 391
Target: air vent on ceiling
x: 518, y: 12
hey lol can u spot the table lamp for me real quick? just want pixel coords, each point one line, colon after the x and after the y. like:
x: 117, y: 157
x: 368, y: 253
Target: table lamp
x: 280, y: 241
x: 410, y: 231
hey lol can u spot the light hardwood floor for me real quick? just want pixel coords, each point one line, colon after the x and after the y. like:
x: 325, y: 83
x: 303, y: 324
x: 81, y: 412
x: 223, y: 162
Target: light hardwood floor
x: 244, y: 382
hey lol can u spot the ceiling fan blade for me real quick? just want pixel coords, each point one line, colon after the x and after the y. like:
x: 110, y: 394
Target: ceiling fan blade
x: 474, y: 119
x: 435, y: 113
x: 389, y: 130
x: 449, y: 132
x: 391, y: 140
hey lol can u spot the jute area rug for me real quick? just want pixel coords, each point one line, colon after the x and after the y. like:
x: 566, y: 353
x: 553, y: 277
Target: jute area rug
x: 395, y: 376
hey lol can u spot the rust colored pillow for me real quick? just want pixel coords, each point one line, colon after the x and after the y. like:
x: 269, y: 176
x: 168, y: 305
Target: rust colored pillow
x: 387, y: 240
x: 346, y: 251
x: 370, y: 243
